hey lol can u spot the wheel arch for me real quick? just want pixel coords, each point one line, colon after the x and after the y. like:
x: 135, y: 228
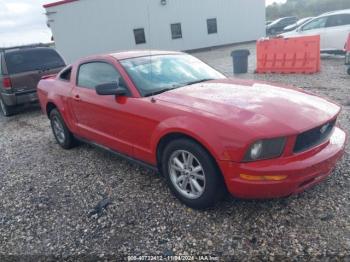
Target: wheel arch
x: 49, y: 107
x: 167, y: 138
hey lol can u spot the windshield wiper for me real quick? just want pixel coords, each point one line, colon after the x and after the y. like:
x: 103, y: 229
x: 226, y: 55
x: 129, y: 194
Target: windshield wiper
x: 198, y: 81
x: 158, y: 92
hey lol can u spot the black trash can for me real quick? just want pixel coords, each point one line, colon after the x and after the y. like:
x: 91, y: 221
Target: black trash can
x: 240, y: 61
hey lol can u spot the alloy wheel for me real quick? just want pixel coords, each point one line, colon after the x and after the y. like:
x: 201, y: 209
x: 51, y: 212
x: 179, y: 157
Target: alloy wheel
x: 187, y: 174
x: 58, y: 130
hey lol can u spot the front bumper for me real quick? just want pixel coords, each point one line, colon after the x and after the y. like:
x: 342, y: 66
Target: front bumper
x: 303, y: 171
x: 13, y: 99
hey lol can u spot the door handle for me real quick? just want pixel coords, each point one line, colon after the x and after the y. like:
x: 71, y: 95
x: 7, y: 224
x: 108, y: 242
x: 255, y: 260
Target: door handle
x: 76, y: 98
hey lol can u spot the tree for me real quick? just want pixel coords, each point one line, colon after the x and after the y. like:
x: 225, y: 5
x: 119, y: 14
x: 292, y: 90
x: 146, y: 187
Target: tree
x: 304, y: 8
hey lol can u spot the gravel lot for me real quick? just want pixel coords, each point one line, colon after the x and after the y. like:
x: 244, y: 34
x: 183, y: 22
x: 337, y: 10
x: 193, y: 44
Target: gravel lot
x: 47, y: 196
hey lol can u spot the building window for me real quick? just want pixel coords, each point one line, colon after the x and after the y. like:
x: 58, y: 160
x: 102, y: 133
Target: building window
x: 212, y: 26
x: 140, y: 37
x: 176, y: 31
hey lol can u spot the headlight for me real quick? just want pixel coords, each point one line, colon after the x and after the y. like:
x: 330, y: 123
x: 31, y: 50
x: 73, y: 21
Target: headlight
x: 265, y: 149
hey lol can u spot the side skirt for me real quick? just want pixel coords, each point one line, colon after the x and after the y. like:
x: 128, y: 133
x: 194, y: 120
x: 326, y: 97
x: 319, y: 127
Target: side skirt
x: 128, y: 158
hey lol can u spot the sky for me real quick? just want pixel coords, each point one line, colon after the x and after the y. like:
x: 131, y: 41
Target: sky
x: 24, y: 22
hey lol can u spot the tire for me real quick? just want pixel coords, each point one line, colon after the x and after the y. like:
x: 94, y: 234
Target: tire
x: 348, y: 70
x: 60, y: 130
x: 199, y: 190
x: 5, y: 109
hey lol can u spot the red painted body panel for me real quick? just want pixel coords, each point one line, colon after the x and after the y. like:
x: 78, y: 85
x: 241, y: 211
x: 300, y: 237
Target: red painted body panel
x: 225, y: 116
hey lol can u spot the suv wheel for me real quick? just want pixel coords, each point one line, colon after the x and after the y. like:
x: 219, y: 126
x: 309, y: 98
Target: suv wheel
x: 62, y: 134
x: 192, y: 174
x: 6, y: 110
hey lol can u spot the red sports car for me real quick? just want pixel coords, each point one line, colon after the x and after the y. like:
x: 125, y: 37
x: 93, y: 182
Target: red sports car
x: 204, y: 132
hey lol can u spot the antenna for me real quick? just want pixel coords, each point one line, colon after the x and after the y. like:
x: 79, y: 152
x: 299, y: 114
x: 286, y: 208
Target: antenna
x: 149, y: 36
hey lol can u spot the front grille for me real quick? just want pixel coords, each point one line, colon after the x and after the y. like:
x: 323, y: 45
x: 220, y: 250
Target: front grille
x: 313, y: 137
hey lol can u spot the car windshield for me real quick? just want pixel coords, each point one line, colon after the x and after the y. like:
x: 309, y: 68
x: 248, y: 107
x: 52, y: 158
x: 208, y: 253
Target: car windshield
x: 156, y: 74
x: 32, y: 59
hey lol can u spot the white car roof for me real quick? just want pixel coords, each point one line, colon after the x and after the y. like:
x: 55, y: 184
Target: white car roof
x: 338, y: 12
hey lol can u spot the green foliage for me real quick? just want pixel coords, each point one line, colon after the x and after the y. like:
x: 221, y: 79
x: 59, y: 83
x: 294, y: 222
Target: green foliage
x: 305, y: 8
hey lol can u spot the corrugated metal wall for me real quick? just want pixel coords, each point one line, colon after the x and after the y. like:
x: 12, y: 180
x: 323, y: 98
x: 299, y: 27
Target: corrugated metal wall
x: 89, y: 27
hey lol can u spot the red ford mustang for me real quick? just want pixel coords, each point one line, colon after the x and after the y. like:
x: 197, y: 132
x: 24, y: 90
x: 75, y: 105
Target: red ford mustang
x: 202, y: 131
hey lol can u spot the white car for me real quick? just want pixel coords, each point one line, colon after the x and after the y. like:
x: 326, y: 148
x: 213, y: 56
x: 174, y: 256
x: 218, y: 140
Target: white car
x: 333, y: 27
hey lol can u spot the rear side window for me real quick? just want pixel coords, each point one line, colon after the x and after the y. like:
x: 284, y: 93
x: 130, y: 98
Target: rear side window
x: 66, y: 74
x: 96, y: 73
x: 32, y: 59
x: 338, y: 20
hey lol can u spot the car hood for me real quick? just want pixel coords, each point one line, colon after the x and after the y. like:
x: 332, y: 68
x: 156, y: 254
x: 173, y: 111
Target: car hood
x: 271, y: 108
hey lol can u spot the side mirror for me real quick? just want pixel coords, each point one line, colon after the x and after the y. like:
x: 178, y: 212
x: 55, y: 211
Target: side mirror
x: 109, y: 89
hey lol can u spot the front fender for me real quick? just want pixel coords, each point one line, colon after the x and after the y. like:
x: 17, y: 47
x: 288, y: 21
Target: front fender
x: 216, y: 138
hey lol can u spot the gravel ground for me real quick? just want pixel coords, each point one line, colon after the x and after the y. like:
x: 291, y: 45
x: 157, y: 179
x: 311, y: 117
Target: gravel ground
x: 49, y: 197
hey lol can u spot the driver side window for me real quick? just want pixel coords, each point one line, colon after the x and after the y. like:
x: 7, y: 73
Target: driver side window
x: 315, y: 24
x: 93, y: 74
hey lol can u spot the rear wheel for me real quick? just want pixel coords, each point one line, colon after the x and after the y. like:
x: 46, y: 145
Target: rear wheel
x: 348, y: 70
x: 192, y: 174
x: 5, y: 109
x: 60, y: 130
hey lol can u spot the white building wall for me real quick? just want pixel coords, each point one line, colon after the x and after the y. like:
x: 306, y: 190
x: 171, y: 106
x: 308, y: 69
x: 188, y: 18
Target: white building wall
x: 87, y: 27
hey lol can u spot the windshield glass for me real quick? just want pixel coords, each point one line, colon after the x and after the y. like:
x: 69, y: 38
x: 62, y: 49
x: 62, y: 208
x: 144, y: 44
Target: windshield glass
x: 276, y: 22
x: 32, y: 59
x: 154, y: 74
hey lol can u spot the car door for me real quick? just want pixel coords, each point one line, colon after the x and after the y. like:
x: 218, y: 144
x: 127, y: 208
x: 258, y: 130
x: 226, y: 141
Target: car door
x: 100, y: 119
x: 315, y: 27
x: 337, y: 31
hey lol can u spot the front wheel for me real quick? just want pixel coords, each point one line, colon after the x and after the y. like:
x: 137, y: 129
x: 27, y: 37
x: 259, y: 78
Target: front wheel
x: 5, y: 109
x: 348, y: 70
x: 60, y: 130
x: 192, y: 174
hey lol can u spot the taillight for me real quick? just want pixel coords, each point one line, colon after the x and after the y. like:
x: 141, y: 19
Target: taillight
x: 6, y: 83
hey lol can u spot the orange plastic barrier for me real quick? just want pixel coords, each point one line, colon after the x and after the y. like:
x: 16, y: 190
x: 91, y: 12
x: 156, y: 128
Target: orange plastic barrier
x: 289, y: 55
x: 347, y: 47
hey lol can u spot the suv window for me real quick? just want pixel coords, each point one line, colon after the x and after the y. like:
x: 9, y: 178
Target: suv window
x: 93, y: 74
x: 315, y: 24
x: 26, y: 60
x: 338, y: 20
x: 66, y: 74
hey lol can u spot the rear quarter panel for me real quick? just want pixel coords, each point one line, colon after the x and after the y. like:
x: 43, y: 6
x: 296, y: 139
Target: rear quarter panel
x: 56, y: 91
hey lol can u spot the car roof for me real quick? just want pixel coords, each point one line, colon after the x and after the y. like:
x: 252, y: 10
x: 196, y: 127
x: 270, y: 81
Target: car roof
x: 141, y: 53
x: 20, y: 49
x: 338, y: 12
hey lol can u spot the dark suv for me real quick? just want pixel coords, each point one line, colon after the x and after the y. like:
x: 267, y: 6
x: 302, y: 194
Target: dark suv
x: 20, y: 71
